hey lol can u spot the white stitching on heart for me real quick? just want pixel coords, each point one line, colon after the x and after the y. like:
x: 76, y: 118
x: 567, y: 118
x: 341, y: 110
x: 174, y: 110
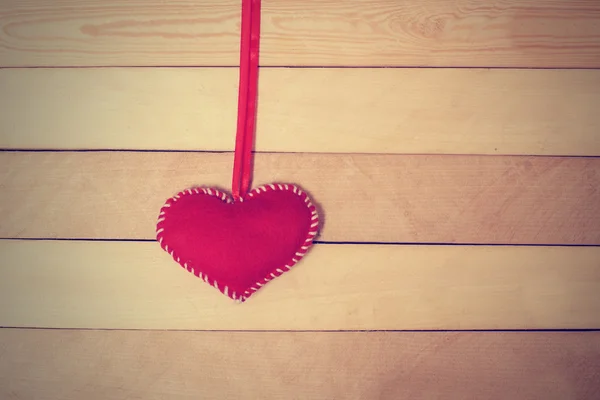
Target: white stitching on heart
x: 312, y: 233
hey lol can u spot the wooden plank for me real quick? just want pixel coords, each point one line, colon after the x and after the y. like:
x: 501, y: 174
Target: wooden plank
x: 71, y: 365
x: 464, y: 111
x: 363, y: 198
x: 133, y: 285
x: 525, y: 33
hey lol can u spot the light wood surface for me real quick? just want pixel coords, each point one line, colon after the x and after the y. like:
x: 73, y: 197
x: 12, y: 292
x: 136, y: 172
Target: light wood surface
x: 485, y: 100
x: 448, y: 111
x: 128, y: 285
x: 511, y: 33
x: 363, y: 198
x: 99, y: 365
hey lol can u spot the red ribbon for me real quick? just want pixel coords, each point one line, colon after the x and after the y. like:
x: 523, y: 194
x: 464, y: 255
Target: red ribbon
x: 248, y: 91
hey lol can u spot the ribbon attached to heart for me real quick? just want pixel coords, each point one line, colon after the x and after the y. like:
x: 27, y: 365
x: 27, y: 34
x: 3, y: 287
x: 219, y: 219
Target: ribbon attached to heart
x: 239, y: 243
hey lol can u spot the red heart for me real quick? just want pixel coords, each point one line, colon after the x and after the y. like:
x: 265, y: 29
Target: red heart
x: 238, y: 246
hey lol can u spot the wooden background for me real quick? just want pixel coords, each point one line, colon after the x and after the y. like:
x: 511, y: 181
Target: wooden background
x: 460, y: 188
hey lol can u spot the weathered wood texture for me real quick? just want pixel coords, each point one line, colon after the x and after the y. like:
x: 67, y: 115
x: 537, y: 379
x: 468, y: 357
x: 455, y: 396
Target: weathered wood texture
x: 474, y: 111
x: 485, y: 195
x: 509, y: 33
x: 364, y: 198
x: 99, y: 365
x: 126, y: 285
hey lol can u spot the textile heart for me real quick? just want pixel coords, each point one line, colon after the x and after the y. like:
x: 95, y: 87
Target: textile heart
x: 238, y: 246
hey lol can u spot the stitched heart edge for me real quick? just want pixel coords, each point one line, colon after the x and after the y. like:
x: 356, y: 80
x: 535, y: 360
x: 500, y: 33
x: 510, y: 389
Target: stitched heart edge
x: 201, y: 191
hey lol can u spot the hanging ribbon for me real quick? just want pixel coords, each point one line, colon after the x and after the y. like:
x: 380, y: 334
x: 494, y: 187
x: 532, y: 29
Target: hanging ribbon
x: 247, y: 98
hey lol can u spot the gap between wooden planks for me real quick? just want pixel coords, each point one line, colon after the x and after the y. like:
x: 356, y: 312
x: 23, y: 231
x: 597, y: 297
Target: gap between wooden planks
x: 529, y: 33
x: 464, y: 111
x: 118, y: 365
x: 133, y: 285
x: 363, y: 198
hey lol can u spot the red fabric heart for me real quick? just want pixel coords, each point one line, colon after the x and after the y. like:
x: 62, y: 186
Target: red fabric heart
x: 238, y: 246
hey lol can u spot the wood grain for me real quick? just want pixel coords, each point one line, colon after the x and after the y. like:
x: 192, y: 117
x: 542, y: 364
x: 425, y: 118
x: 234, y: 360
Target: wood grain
x: 464, y: 111
x: 95, y: 365
x: 132, y: 285
x: 509, y: 33
x: 363, y: 198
